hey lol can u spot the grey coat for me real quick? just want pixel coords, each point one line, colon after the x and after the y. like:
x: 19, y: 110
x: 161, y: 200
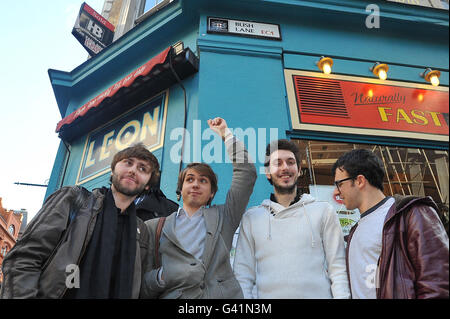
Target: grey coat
x: 211, y: 277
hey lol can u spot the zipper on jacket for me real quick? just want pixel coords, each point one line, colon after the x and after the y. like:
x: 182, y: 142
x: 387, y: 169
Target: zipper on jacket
x: 84, y: 246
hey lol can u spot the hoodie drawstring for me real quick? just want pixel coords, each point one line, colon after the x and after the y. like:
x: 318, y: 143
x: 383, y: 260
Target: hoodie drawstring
x: 271, y: 213
x: 310, y: 226
x: 270, y: 224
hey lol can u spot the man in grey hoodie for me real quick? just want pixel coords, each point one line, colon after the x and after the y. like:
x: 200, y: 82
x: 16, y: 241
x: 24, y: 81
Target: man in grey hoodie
x: 291, y: 246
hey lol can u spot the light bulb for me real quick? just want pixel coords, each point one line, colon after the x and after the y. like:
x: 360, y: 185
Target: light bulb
x: 327, y: 68
x: 420, y: 97
x: 434, y: 80
x: 382, y: 74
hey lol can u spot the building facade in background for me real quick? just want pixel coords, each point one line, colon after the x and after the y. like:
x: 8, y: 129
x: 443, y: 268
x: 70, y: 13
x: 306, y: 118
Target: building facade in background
x: 174, y: 64
x: 10, y: 229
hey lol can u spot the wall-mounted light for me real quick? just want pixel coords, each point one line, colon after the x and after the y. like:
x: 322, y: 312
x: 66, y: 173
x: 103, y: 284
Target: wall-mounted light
x: 325, y: 64
x: 380, y: 70
x: 431, y: 76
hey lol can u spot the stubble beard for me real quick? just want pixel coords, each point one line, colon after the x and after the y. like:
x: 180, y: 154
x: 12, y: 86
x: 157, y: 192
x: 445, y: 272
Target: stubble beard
x: 284, y: 190
x: 123, y: 190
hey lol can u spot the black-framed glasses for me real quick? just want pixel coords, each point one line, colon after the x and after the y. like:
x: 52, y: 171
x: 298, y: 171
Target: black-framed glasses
x: 339, y: 182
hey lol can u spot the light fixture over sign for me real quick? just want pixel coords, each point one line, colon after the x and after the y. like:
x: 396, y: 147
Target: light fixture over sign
x: 380, y: 70
x: 431, y: 76
x: 325, y: 64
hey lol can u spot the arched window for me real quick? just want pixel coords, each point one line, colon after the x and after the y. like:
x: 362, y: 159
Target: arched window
x: 11, y: 229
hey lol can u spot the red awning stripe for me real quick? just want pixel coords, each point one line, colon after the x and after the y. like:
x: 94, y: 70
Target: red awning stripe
x: 125, y: 82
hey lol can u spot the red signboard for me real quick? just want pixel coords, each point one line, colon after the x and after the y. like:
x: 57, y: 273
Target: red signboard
x: 353, y: 104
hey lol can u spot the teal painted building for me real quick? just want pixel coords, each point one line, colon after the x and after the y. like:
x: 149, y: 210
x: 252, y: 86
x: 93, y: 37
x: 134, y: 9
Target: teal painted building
x: 254, y: 63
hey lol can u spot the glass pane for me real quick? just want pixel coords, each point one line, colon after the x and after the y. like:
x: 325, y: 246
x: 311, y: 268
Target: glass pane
x: 149, y: 4
x: 409, y: 171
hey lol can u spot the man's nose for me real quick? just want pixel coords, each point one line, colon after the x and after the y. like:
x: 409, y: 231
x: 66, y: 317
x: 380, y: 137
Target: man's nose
x: 336, y: 192
x: 132, y: 169
x: 284, y: 165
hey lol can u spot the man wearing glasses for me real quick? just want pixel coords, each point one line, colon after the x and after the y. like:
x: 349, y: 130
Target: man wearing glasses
x: 399, y: 247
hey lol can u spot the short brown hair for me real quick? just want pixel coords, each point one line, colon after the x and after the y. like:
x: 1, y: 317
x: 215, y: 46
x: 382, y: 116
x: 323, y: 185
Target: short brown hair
x: 203, y: 169
x: 282, y: 144
x: 139, y: 151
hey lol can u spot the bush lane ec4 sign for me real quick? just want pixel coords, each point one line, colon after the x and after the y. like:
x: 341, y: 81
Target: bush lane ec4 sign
x: 92, y: 30
x: 244, y: 28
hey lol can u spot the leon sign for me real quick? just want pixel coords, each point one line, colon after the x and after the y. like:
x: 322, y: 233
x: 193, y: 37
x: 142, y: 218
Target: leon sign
x: 145, y: 123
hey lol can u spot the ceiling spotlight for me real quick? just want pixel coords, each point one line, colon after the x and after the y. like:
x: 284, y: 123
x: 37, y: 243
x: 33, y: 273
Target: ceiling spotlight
x: 325, y: 64
x: 380, y: 70
x: 431, y: 76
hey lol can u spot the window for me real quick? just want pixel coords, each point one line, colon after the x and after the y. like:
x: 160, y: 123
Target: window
x: 11, y: 229
x: 409, y: 171
x: 149, y: 4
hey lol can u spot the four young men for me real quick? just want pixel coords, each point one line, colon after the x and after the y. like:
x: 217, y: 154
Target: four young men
x: 94, y: 245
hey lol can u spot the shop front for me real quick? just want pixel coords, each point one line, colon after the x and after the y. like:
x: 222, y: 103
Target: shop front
x: 396, y: 120
x: 257, y: 64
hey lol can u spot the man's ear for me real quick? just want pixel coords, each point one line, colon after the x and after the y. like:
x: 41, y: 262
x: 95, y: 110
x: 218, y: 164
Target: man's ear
x: 361, y: 181
x: 267, y: 172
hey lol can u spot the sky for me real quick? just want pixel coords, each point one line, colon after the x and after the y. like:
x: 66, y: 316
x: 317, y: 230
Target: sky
x: 36, y: 36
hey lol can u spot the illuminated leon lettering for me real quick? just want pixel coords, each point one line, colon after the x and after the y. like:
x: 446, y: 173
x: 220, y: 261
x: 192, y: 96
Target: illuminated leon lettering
x: 149, y: 123
x: 89, y: 160
x: 125, y: 135
x: 107, y: 141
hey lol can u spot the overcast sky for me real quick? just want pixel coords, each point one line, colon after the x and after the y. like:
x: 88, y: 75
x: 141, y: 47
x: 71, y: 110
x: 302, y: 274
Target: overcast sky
x: 36, y: 36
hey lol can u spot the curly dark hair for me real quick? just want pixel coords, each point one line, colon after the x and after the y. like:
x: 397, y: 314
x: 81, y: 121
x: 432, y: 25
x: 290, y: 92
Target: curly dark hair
x: 282, y: 144
x: 362, y: 162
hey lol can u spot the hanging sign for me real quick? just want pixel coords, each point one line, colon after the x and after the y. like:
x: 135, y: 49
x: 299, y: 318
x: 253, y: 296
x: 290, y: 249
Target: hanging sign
x: 244, y: 28
x: 92, y: 30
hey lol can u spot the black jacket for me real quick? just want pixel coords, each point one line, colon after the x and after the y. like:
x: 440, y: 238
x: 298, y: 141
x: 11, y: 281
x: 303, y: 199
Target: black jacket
x: 154, y: 204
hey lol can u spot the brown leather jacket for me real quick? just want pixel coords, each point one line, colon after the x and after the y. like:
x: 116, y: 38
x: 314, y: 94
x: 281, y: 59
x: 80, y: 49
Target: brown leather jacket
x: 413, y: 263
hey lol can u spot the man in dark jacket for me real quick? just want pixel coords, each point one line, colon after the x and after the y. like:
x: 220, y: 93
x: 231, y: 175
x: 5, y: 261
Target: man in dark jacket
x: 399, y: 248
x: 85, y: 244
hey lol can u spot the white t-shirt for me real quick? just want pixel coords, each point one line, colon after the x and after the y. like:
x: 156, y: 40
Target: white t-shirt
x: 365, y: 249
